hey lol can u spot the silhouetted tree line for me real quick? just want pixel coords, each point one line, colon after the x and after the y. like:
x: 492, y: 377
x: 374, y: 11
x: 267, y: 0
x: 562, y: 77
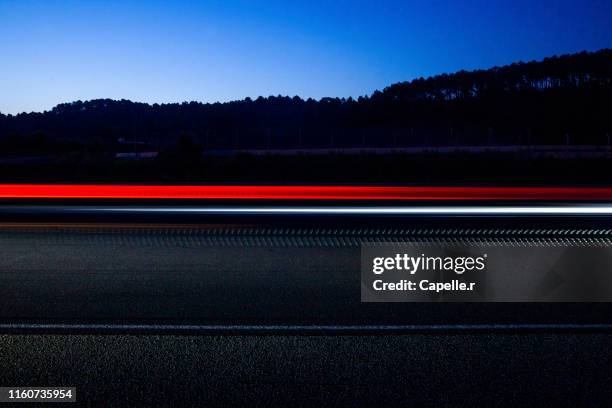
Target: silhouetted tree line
x: 565, y: 99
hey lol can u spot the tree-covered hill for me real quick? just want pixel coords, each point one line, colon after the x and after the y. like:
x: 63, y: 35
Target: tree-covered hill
x: 559, y: 99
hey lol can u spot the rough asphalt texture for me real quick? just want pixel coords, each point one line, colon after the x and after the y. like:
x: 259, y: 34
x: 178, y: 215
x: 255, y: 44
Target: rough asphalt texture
x: 412, y: 370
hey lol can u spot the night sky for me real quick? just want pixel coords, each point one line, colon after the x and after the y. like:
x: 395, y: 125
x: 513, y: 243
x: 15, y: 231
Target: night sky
x: 60, y: 51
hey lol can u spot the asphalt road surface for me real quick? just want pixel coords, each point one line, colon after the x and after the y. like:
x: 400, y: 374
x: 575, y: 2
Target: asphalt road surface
x: 486, y: 369
x: 203, y: 278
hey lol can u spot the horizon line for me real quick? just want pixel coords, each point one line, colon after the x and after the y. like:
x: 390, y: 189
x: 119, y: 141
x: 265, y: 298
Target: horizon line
x: 584, y: 51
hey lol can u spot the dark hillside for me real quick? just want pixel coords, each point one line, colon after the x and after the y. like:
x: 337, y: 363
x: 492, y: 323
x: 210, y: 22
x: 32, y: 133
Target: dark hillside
x: 560, y: 101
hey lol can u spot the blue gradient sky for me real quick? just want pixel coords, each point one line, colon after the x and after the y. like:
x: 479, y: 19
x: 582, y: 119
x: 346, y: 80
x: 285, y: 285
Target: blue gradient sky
x: 153, y: 51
